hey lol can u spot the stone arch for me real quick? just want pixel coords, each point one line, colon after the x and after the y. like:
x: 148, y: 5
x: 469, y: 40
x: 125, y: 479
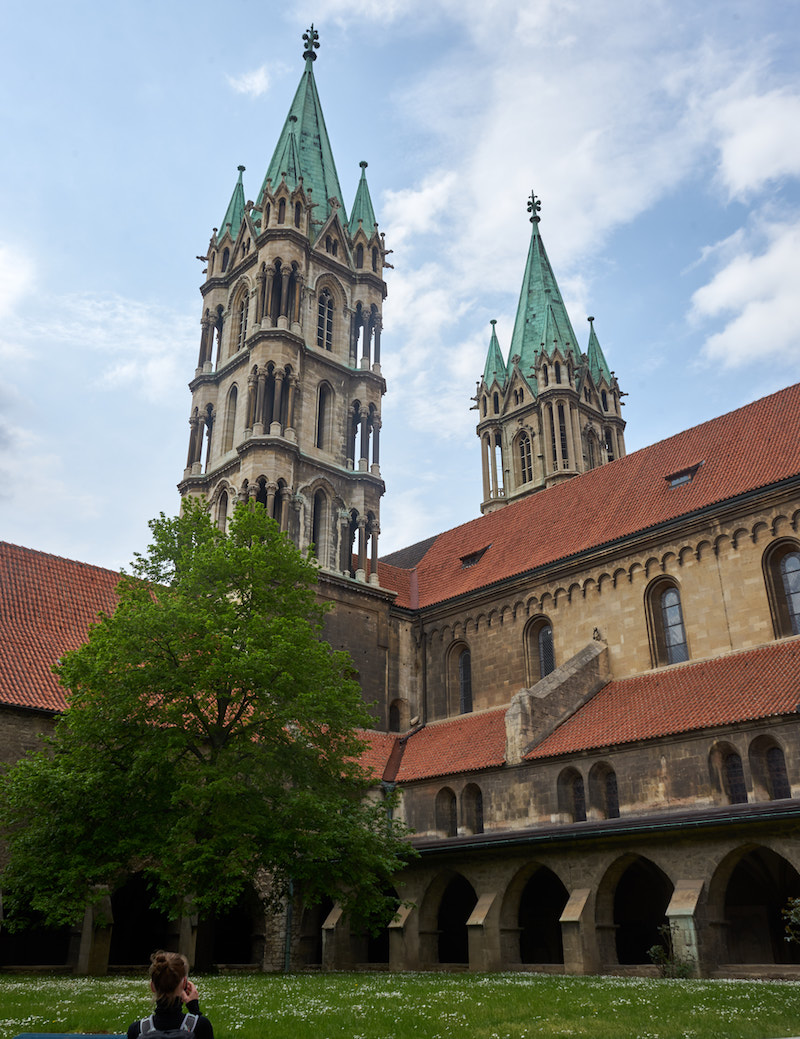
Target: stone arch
x: 472, y: 809
x: 459, y: 678
x: 748, y: 890
x: 603, y: 792
x: 539, y: 649
x: 444, y: 910
x: 685, y: 555
x: 235, y: 937
x: 632, y: 900
x: 758, y: 529
x: 138, y: 928
x: 726, y: 772
x: 530, y: 916
x: 778, y: 522
x: 768, y: 769
x: 571, y: 795
x: 780, y: 564
x: 620, y: 574
x: 651, y: 566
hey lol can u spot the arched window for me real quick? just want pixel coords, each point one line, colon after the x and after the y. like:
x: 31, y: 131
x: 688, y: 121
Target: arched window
x: 398, y: 715
x: 298, y: 211
x: 465, y: 682
x: 496, y: 402
x: 319, y: 520
x: 446, y: 813
x: 545, y: 376
x: 668, y: 642
x: 230, y: 420
x: 282, y: 211
x: 557, y: 368
x: 768, y: 769
x: 539, y: 651
x: 609, y: 439
x: 733, y: 778
x: 325, y: 321
x: 562, y: 434
x: 524, y: 458
x: 241, y: 321
x: 603, y: 794
x: 226, y: 255
x: 472, y: 809
x: 781, y: 565
x: 359, y: 255
x: 222, y: 512
x: 266, y: 215
x: 571, y: 796
x: 375, y: 260
x: 323, y: 416
x: 604, y: 399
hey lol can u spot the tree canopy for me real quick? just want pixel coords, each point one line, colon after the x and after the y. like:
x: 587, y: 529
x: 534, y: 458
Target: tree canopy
x: 210, y: 734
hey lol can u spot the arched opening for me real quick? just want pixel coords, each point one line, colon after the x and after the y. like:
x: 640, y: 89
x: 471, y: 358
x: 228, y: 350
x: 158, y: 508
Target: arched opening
x: 666, y: 629
x: 359, y: 255
x: 323, y: 416
x: 36, y: 946
x: 234, y: 937
x: 571, y: 796
x: 727, y: 773
x: 781, y: 565
x: 539, y: 918
x: 640, y: 906
x: 524, y: 459
x: 319, y: 526
x: 455, y: 907
x: 540, y: 658
x: 325, y: 321
x: 369, y: 948
x: 230, y: 420
x: 375, y: 260
x: 446, y: 813
x: 138, y: 927
x: 609, y: 442
x: 398, y: 715
x: 603, y: 794
x: 459, y: 679
x: 226, y: 255
x: 758, y: 889
x: 298, y: 212
x: 241, y: 322
x: 309, y: 952
x: 768, y: 770
x: 222, y: 512
x: 472, y: 808
x: 282, y: 211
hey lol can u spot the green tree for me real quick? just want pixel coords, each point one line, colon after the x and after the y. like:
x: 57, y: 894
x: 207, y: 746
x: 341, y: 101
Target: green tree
x: 210, y: 735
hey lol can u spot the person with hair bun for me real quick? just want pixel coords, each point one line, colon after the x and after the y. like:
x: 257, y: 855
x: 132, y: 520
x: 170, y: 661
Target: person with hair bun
x: 172, y: 988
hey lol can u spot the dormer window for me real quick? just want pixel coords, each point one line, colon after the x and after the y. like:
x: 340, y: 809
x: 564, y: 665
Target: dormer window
x: 682, y: 476
x: 472, y: 558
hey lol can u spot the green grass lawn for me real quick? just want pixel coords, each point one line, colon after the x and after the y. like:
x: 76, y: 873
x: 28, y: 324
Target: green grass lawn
x: 419, y: 1006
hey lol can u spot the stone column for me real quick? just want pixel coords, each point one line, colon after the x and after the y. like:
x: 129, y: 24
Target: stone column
x: 683, y: 924
x: 292, y: 389
x: 275, y: 427
x: 258, y: 417
x: 374, y: 531
x: 362, y: 549
x: 286, y: 273
x: 270, y: 277
x: 252, y: 394
x: 376, y: 359
x: 548, y: 439
x: 485, y: 464
x: 363, y: 415
x: 190, y: 457
x: 573, y: 461
x: 484, y: 934
x: 261, y: 297
x: 271, y: 489
x: 559, y: 459
x: 365, y: 343
x: 577, y: 439
x: 376, y: 442
x: 298, y: 293
x: 205, y: 325
x: 285, y: 497
x: 577, y: 934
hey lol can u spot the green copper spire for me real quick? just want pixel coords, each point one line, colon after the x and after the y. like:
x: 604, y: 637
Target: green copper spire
x: 495, y: 368
x: 542, y: 320
x: 362, y: 206
x: 598, y: 366
x: 234, y: 214
x: 303, y: 147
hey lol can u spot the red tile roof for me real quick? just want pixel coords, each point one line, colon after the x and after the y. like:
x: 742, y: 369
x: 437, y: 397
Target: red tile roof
x: 46, y: 607
x: 756, y: 683
x: 463, y: 744
x: 378, y: 750
x: 753, y: 447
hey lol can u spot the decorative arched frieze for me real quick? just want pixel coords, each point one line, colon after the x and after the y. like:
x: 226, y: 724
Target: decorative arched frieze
x: 703, y: 549
x: 759, y: 529
x: 685, y: 555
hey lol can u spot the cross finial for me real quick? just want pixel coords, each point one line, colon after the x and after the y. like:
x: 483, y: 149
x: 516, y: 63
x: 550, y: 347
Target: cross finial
x: 534, y: 205
x: 310, y: 40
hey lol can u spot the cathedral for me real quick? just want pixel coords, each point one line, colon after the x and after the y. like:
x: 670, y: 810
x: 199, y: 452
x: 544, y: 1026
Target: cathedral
x: 586, y: 696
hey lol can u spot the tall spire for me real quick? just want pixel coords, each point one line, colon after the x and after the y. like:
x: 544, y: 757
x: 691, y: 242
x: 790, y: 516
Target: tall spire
x: 362, y: 206
x: 541, y: 315
x: 495, y: 368
x: 598, y: 366
x: 234, y: 214
x: 303, y: 148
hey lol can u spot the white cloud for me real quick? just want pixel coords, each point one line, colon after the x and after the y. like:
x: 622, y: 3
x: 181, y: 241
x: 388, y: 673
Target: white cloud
x: 16, y: 277
x: 255, y: 83
x: 759, y: 140
x: 755, y: 295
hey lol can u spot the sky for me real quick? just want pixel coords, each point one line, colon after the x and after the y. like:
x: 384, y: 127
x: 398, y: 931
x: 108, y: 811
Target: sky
x: 663, y: 139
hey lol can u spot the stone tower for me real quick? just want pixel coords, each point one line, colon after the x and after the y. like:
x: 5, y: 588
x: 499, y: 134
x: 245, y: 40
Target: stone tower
x: 552, y: 411
x: 286, y: 398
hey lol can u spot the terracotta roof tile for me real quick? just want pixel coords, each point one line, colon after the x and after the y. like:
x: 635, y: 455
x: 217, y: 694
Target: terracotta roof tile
x: 753, y: 447
x: 378, y: 750
x: 756, y: 683
x: 463, y: 744
x: 46, y: 607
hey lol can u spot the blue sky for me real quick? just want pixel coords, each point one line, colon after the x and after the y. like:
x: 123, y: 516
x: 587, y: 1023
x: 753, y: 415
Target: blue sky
x: 662, y: 138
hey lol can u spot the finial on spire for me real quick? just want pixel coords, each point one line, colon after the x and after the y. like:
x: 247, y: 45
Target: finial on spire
x: 493, y: 321
x: 590, y: 319
x: 241, y: 169
x: 363, y: 164
x: 534, y: 205
x: 310, y: 40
